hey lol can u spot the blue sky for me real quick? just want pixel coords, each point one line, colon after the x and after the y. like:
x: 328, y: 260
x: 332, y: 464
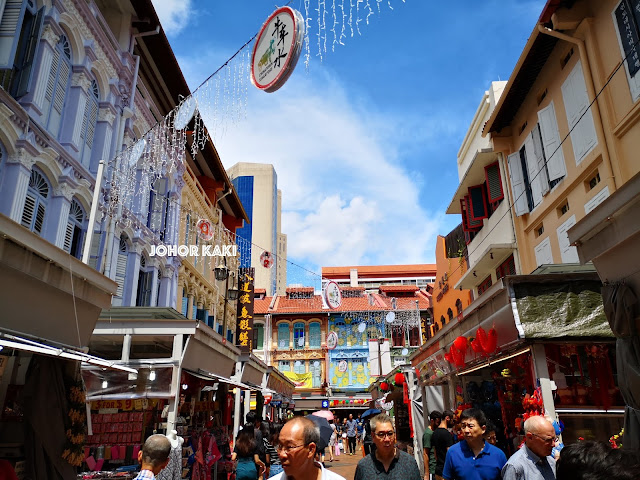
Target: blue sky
x: 365, y: 140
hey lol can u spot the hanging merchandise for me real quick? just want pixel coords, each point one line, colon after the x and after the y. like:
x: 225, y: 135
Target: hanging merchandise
x: 399, y: 378
x: 384, y: 386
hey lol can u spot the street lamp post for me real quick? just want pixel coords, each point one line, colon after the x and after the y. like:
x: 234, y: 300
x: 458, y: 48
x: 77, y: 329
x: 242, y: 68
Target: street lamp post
x: 222, y: 273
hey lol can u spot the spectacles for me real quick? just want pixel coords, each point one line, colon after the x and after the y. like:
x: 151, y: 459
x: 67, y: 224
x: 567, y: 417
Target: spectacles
x: 545, y: 439
x: 287, y: 450
x: 385, y: 434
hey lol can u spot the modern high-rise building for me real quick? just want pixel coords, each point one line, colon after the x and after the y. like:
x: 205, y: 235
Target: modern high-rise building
x: 257, y: 187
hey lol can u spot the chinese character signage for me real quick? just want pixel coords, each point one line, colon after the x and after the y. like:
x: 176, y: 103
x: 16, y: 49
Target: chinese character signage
x: 277, y: 49
x: 244, y: 322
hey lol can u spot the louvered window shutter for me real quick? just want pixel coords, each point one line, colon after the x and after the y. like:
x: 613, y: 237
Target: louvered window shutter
x: 474, y: 225
x: 542, y: 177
x: 517, y: 184
x: 24, y: 61
x: 551, y: 143
x: 68, y: 236
x: 495, y: 192
x: 185, y: 305
x: 532, y: 171
x: 121, y: 267
x: 10, y: 24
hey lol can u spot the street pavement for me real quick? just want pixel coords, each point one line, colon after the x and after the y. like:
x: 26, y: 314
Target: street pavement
x: 344, y: 465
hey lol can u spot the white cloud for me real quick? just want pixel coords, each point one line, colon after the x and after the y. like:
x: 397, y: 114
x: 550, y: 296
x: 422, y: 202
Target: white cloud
x: 346, y: 197
x: 173, y: 14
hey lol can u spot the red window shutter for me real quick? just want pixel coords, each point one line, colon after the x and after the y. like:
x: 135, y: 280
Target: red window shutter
x: 494, y: 182
x: 478, y: 203
x: 474, y: 224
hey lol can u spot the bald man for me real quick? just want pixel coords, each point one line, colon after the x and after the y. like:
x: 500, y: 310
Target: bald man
x: 532, y: 461
x: 153, y: 457
x: 298, y: 445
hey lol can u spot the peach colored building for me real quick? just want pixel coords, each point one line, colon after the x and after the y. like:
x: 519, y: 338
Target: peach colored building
x: 372, y: 277
x: 448, y: 302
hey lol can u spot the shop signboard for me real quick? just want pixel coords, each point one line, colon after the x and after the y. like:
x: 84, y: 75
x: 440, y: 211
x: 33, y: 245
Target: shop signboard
x: 277, y: 49
x: 244, y: 322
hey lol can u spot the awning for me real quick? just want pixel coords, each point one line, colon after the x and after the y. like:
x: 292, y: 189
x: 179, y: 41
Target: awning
x: 204, y: 375
x: 150, y: 382
x: 56, y: 350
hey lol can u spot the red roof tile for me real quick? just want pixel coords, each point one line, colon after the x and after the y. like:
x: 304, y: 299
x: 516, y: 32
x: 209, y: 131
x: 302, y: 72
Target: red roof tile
x: 258, y: 291
x: 261, y: 305
x: 398, y: 288
x: 300, y: 290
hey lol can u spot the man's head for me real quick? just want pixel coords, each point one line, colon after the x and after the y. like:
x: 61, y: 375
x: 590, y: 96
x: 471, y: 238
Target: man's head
x: 490, y: 433
x: 297, y: 447
x: 447, y: 416
x: 383, y: 433
x: 351, y: 416
x: 540, y: 436
x: 473, y: 422
x: 435, y: 417
x: 154, y: 455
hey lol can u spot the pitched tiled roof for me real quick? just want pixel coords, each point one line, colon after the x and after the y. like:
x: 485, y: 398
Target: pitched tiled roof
x: 258, y: 291
x: 286, y: 305
x: 300, y: 290
x: 379, y: 270
x: 398, y: 288
x: 261, y: 305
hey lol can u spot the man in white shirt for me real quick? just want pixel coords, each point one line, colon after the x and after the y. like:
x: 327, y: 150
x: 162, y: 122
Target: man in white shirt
x: 297, y: 447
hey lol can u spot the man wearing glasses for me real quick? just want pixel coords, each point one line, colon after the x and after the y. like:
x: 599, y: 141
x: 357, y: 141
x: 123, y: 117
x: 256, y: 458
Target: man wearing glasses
x: 473, y: 458
x: 297, y: 448
x: 532, y: 461
x: 386, y: 461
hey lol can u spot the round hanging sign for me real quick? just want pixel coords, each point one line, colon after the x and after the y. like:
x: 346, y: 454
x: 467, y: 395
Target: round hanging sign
x: 333, y: 295
x: 332, y: 340
x: 342, y: 366
x: 205, y: 229
x: 391, y: 316
x: 277, y: 49
x: 266, y: 259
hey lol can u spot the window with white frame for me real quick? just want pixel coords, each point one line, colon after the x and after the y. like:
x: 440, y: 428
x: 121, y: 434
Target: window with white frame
x: 20, y: 27
x: 74, y: 234
x: 283, y: 335
x: 89, y: 119
x: 57, y: 86
x: 626, y: 20
x: 539, y: 164
x: 298, y: 335
x: 121, y: 269
x: 315, y: 338
x: 35, y: 202
x: 145, y: 283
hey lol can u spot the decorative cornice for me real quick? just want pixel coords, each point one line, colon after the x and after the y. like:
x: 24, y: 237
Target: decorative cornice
x: 106, y: 115
x: 22, y: 157
x: 79, y: 79
x: 64, y: 190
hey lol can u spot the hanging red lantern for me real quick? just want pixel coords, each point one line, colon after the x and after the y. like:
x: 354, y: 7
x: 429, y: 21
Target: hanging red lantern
x: 399, y: 378
x: 492, y: 341
x: 481, y: 337
x: 461, y: 343
x: 457, y: 355
x: 476, y: 347
x: 448, y: 358
x: 384, y: 386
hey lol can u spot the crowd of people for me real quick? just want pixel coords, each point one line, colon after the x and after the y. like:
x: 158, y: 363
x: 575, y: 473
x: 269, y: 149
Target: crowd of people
x: 292, y: 451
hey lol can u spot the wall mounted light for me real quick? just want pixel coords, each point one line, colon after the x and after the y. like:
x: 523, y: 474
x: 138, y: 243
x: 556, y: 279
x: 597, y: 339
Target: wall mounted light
x: 152, y: 375
x: 104, y: 384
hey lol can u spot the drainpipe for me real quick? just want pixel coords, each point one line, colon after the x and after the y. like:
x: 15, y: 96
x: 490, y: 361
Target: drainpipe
x: 590, y: 89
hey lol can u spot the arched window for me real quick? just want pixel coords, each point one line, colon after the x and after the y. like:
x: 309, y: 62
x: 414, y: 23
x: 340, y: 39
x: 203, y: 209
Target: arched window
x: 298, y: 335
x: 397, y: 335
x: 74, y: 235
x: 57, y: 85
x: 315, y: 338
x: 283, y: 335
x: 258, y: 336
x: 459, y: 306
x: 121, y: 269
x: 450, y: 314
x: 145, y: 282
x: 35, y: 203
x: 443, y: 322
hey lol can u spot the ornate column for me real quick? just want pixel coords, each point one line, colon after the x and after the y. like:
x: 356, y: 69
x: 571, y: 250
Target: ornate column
x: 165, y: 288
x: 102, y: 140
x: 190, y: 305
x: 16, y: 182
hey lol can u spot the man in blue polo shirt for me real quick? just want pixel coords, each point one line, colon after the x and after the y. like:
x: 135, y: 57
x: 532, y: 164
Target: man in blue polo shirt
x: 473, y: 459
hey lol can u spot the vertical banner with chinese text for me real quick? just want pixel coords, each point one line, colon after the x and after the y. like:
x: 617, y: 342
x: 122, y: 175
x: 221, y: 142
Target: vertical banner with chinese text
x: 244, y: 323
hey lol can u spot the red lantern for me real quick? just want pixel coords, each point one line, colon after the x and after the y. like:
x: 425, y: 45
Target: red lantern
x: 476, y: 347
x: 492, y: 341
x: 481, y: 337
x: 448, y: 358
x: 399, y: 378
x: 461, y: 343
x: 457, y: 355
x: 384, y: 386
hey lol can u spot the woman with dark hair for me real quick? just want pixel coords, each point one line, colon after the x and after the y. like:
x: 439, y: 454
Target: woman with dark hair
x: 246, y: 455
x: 274, y: 458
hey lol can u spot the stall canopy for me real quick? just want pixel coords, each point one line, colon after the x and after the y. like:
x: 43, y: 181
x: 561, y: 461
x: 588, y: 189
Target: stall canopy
x: 149, y: 382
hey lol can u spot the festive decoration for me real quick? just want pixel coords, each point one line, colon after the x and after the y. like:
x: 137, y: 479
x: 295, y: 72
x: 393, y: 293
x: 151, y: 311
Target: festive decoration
x: 614, y: 439
x: 533, y: 404
x: 481, y: 337
x: 461, y: 343
x: 74, y: 447
x: 492, y: 341
x: 266, y: 259
x: 384, y: 386
x: 399, y: 378
x: 475, y: 346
